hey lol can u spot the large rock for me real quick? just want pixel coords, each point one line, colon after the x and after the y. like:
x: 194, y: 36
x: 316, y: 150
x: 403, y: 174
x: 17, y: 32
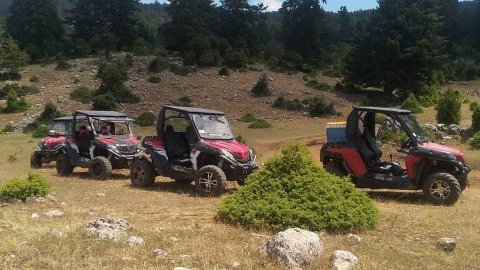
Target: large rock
x: 343, y: 260
x: 135, y: 241
x: 107, y: 228
x: 293, y: 247
x: 446, y: 244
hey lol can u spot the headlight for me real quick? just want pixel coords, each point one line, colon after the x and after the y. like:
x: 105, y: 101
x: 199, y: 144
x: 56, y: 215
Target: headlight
x: 40, y: 145
x: 112, y: 147
x: 228, y: 154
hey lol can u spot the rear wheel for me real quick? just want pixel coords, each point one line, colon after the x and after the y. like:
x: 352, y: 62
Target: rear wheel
x: 63, y: 165
x: 210, y: 181
x: 441, y: 189
x: 142, y: 174
x: 100, y: 168
x: 36, y: 160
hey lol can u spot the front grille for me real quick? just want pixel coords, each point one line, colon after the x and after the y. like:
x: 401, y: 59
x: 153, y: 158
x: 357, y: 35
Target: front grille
x: 127, y: 149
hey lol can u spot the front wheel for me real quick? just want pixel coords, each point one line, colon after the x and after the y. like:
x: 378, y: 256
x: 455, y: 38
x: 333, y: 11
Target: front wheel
x: 334, y: 168
x: 36, y: 160
x: 441, y: 189
x: 210, y: 181
x: 63, y: 165
x: 100, y: 168
x: 463, y: 180
x: 142, y: 174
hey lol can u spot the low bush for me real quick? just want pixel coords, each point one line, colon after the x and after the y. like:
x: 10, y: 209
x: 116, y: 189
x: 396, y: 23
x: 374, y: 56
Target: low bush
x: 293, y: 191
x: 448, y: 108
x: 34, y: 78
x: 15, y: 103
x: 22, y: 189
x: 289, y: 105
x: 475, y: 141
x: 82, y: 94
x: 49, y: 113
x: 411, y: 103
x: 320, y: 86
x: 380, y: 118
x: 104, y: 102
x: 473, y: 106
x: 158, y: 64
x: 10, y: 76
x: 40, y: 131
x: 62, y: 64
x: 7, y: 128
x: 261, y: 89
x: 146, y: 119
x: 260, y: 123
x: 224, y: 71
x: 476, y: 120
x: 154, y: 79
x: 319, y: 107
x: 185, y: 101
x: 236, y: 59
x: 182, y: 70
x: 20, y: 90
x: 240, y: 139
x: 394, y: 137
x: 248, y: 118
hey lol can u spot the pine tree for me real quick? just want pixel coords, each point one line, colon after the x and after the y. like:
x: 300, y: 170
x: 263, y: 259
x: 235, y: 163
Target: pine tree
x: 37, y: 27
x: 12, y: 57
x: 402, y: 49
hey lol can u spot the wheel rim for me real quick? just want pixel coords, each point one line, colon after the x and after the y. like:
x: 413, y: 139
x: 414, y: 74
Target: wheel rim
x: 440, y: 190
x: 208, y: 182
x: 97, y: 169
x: 138, y: 174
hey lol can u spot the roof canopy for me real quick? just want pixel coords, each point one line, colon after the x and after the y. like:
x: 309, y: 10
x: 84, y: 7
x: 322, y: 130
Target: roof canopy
x: 383, y: 110
x: 193, y: 110
x: 109, y: 114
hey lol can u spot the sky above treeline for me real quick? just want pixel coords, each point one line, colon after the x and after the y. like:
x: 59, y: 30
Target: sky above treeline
x: 332, y: 5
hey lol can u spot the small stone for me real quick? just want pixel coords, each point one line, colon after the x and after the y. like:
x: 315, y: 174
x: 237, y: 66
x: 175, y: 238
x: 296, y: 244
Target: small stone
x: 343, y: 260
x: 353, y: 239
x: 58, y: 234
x: 50, y: 198
x: 181, y: 268
x: 107, y: 228
x: 236, y: 265
x: 134, y: 241
x: 35, y: 215
x: 159, y: 253
x: 173, y: 239
x: 54, y: 213
x: 100, y: 194
x: 446, y: 244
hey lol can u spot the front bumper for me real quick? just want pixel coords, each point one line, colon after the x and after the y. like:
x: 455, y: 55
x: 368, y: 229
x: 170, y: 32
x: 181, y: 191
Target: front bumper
x: 238, y: 171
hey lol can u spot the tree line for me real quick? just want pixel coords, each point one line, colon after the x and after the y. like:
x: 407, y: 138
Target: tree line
x: 402, y: 47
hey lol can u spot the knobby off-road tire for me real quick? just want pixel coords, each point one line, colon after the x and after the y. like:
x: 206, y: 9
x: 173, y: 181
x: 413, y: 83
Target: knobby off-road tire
x: 441, y: 189
x: 63, y: 165
x: 35, y: 160
x: 241, y: 182
x: 100, y: 168
x: 210, y: 181
x: 142, y: 174
x: 463, y: 182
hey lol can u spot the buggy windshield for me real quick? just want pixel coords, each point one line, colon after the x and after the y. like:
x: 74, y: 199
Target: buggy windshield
x: 112, y: 127
x: 62, y: 128
x: 414, y: 128
x: 213, y: 127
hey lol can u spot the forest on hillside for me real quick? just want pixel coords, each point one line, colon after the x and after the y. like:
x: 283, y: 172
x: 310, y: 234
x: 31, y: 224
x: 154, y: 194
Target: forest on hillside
x: 402, y: 47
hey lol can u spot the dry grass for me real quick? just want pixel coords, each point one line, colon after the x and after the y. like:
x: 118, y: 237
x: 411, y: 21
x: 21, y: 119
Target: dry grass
x: 170, y: 217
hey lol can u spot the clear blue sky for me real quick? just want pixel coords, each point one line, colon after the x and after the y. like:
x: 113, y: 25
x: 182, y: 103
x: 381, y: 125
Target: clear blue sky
x: 332, y: 5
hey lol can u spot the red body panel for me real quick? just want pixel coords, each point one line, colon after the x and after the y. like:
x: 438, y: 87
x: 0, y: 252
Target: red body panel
x: 240, y: 150
x: 442, y: 148
x: 117, y: 140
x: 52, y: 141
x: 352, y: 158
x: 154, y: 143
x: 410, y: 162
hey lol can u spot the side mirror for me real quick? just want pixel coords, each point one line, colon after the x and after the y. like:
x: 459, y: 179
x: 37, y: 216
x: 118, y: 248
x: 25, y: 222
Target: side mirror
x: 52, y: 133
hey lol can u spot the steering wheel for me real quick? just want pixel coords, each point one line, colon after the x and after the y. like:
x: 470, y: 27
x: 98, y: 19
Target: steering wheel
x: 406, y: 145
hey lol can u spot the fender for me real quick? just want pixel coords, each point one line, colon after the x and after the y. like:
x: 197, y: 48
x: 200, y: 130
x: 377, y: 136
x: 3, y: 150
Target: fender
x: 350, y: 156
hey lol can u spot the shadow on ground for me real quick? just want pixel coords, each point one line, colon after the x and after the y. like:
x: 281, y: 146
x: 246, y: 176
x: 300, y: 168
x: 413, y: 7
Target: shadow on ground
x: 406, y: 197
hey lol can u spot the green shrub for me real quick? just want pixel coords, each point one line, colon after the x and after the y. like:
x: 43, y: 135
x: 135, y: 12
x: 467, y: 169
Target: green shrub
x: 411, y: 104
x: 76, y: 80
x: 30, y: 128
x: 261, y: 89
x: 182, y: 70
x: 158, y: 64
x: 34, y: 78
x: 15, y: 103
x: 154, y: 79
x: 10, y: 76
x: 448, y: 107
x: 319, y: 107
x: 104, y: 102
x: 82, y: 94
x: 224, y: 71
x: 62, y: 64
x: 320, y: 86
x: 49, y: 113
x: 185, y: 101
x: 240, y: 139
x: 396, y: 138
x: 260, y: 123
x: 8, y: 128
x: 20, y: 90
x: 146, y: 119
x: 40, y: 131
x: 113, y: 76
x: 236, y: 59
x: 289, y: 105
x: 293, y: 191
x: 380, y: 118
x: 248, y: 118
x: 476, y: 120
x: 473, y: 106
x: 475, y: 141
x: 34, y: 185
